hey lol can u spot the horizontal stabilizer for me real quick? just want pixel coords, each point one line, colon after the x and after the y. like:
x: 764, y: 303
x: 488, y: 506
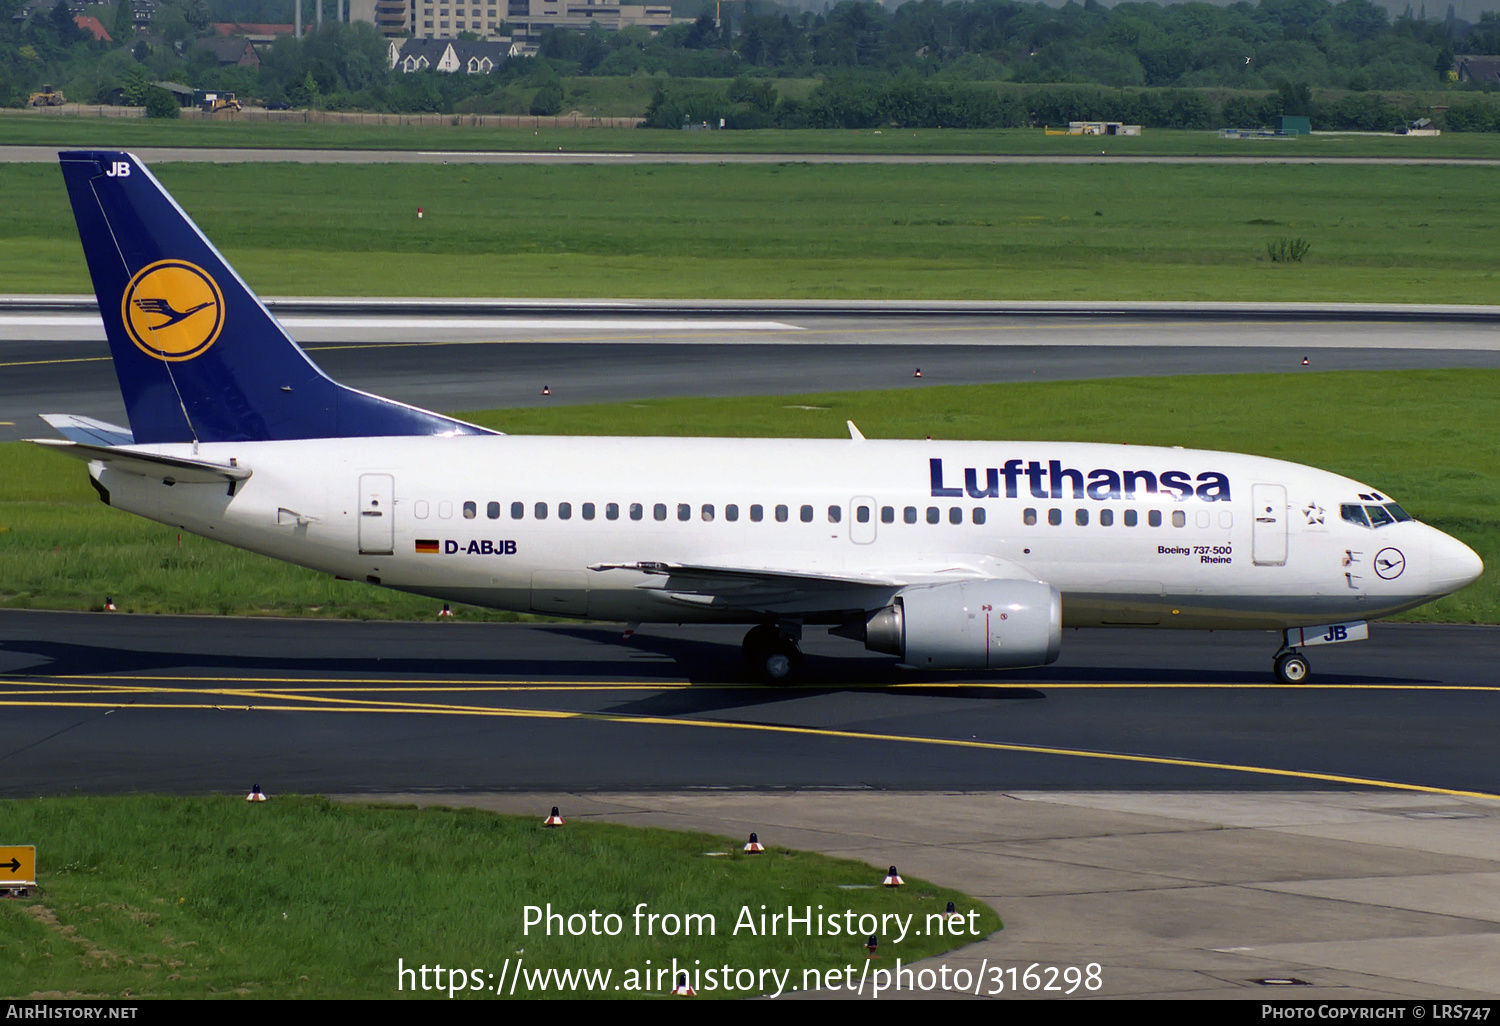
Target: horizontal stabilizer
x: 177, y: 469
x: 86, y: 429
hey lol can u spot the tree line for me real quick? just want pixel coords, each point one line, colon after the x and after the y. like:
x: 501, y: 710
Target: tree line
x: 968, y: 63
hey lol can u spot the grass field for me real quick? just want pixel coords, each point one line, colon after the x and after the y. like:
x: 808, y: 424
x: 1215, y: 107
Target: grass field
x: 148, y: 897
x: 1428, y: 438
x: 1138, y: 232
x: 460, y: 133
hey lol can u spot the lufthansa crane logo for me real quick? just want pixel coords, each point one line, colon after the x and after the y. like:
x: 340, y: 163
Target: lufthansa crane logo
x: 1389, y: 563
x: 172, y: 310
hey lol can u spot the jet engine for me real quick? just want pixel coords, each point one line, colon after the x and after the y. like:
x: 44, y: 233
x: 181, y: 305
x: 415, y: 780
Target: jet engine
x: 970, y: 625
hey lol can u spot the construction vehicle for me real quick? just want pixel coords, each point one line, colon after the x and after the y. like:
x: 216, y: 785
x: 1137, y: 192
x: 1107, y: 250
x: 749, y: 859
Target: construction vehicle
x: 48, y: 97
x: 212, y: 103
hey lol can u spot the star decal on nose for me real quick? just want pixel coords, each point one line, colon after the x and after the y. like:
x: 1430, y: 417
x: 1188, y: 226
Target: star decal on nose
x: 1313, y: 512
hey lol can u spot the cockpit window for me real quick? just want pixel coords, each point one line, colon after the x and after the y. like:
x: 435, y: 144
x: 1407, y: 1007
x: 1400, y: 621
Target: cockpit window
x: 1373, y: 516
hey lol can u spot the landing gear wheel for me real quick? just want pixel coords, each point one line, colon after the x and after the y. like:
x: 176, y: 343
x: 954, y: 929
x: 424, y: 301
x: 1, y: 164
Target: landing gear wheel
x: 1291, y: 668
x: 773, y: 657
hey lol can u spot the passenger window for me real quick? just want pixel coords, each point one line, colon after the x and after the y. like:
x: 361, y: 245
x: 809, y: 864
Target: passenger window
x: 1203, y: 519
x: 659, y: 511
x: 887, y: 514
x: 708, y: 511
x: 1054, y: 517
x: 611, y: 511
x: 1179, y: 518
x: 1029, y: 518
x: 806, y: 514
x: 978, y: 514
x: 1081, y: 517
x: 470, y: 511
x: 1106, y: 517
x: 636, y: 511
x: 445, y: 510
x: 836, y: 514
x: 1226, y: 519
x: 540, y: 510
x: 731, y: 512
x: 909, y: 514
x: 757, y: 513
x: 934, y: 514
x: 588, y: 511
x: 419, y: 509
x: 564, y: 511
x: 1131, y: 516
x: 492, y: 510
x: 1379, y: 517
x: 684, y: 511
x: 955, y: 515
x: 1154, y: 518
x: 517, y: 510
x: 781, y: 514
x: 862, y: 514
x: 1354, y: 514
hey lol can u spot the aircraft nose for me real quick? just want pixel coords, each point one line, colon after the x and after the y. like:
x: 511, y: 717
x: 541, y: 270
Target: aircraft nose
x: 1454, y: 564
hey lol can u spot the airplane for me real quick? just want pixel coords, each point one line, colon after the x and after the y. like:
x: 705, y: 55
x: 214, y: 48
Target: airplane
x: 968, y: 555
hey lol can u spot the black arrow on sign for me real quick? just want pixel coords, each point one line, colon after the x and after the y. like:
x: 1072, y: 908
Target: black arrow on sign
x: 14, y: 865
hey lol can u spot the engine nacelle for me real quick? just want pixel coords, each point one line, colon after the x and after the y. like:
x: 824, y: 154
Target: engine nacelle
x: 970, y: 625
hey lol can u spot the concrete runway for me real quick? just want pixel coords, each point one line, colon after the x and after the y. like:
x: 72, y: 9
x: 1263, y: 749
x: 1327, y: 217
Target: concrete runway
x: 448, y: 363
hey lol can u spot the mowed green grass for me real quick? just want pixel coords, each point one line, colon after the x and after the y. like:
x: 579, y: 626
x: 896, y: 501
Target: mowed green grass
x: 1430, y: 439
x: 155, y: 897
x: 460, y: 132
x: 1088, y: 232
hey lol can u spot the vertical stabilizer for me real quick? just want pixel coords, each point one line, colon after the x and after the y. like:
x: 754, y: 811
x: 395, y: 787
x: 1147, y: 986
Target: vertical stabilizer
x: 198, y: 356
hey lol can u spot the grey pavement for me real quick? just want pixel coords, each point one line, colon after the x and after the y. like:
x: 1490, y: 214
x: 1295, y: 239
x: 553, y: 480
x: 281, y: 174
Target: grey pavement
x: 1358, y: 896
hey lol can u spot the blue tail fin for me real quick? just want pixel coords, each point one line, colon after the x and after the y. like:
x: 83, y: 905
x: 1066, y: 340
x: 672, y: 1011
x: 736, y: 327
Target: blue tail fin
x: 198, y: 356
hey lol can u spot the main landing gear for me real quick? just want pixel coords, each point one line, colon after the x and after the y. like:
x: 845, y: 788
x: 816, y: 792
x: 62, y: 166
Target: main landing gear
x: 772, y: 654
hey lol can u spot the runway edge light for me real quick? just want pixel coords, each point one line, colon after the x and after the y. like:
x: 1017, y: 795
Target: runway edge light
x: 256, y: 794
x: 681, y: 988
x: 893, y: 879
x: 753, y: 846
x: 554, y: 820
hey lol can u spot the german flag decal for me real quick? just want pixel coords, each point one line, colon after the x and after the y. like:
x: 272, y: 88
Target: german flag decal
x: 427, y: 545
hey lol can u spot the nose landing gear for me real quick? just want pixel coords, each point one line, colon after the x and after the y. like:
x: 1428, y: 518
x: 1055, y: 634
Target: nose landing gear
x: 1291, y: 667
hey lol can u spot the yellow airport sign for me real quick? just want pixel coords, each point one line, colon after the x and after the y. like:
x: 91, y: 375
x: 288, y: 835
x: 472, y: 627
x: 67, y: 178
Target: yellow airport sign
x: 18, y: 865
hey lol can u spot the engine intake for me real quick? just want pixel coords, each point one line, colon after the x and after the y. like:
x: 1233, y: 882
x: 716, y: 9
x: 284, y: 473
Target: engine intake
x: 970, y: 625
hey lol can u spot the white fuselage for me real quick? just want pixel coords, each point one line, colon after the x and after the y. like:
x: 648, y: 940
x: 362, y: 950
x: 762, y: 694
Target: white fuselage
x: 1129, y: 535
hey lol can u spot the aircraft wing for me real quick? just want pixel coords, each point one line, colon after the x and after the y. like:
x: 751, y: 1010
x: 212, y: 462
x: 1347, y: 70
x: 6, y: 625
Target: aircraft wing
x: 178, y: 469
x: 771, y: 588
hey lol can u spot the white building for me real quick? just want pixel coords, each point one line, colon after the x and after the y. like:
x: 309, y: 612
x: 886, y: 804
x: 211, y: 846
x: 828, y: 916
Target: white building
x: 522, y: 20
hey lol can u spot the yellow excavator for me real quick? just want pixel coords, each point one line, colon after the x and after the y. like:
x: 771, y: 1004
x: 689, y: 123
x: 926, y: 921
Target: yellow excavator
x: 48, y: 97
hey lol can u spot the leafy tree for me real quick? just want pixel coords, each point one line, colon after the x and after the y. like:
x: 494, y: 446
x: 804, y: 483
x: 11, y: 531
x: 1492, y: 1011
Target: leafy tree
x: 161, y: 104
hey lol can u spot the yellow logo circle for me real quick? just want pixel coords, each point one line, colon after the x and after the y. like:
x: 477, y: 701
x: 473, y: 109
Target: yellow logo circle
x: 172, y: 310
